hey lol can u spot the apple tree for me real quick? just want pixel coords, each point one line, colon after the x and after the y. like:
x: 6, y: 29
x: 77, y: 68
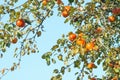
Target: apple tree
x: 94, y: 42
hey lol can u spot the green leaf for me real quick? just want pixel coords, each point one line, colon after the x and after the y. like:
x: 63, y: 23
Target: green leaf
x: 76, y: 73
x: 58, y: 77
x: 43, y: 56
x: 78, y: 78
x: 62, y: 70
x: 48, y: 53
x: 104, y: 68
x: 95, y: 66
x: 98, y: 62
x: 69, y: 69
x: 19, y: 35
x: 3, y: 49
x: 54, y: 47
x: 60, y: 57
x: 55, y: 71
x: 77, y: 63
x: 27, y: 21
x: 59, y: 41
x: 47, y: 58
x: 71, y: 1
x: 48, y: 63
x: 103, y: 1
x: 66, y: 20
x: 22, y: 53
x: 86, y: 72
x: 53, y: 78
x: 53, y: 61
x: 1, y: 55
x: 117, y: 70
x: 8, y: 44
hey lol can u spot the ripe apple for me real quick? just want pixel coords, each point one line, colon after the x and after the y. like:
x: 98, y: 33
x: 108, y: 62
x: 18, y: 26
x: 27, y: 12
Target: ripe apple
x: 72, y: 37
x: 93, y: 78
x: 20, y: 23
x: 111, y: 18
x: 65, y: 13
x: 14, y: 40
x: 90, y: 46
x: 81, y: 42
x: 91, y: 65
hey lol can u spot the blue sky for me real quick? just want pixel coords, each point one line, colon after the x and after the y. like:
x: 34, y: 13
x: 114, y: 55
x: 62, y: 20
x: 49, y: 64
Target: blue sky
x: 32, y: 66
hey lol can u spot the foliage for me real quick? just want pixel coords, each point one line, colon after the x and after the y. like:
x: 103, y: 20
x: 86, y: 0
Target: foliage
x: 97, y: 35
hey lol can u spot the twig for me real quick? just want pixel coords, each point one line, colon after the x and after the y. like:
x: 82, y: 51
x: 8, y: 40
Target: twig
x: 81, y: 72
x: 4, y: 74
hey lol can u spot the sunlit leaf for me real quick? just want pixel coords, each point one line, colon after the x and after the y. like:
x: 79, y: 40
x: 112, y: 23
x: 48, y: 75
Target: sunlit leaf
x: 54, y: 47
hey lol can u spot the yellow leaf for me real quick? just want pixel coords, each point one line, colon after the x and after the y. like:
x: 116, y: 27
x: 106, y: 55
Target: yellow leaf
x: 3, y: 71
